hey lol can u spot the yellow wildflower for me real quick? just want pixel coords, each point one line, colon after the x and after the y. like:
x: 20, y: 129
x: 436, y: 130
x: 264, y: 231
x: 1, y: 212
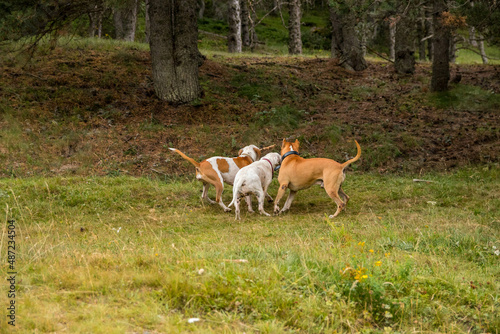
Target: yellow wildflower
x: 378, y: 263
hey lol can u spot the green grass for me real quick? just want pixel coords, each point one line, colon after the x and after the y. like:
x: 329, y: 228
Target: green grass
x: 466, y: 97
x: 465, y: 56
x: 123, y: 254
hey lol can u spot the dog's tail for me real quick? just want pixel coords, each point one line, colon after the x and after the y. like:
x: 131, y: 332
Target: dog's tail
x: 348, y: 162
x: 191, y: 160
x: 236, y: 188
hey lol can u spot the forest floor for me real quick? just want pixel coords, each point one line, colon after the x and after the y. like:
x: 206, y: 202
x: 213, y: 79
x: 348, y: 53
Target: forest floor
x: 94, y: 112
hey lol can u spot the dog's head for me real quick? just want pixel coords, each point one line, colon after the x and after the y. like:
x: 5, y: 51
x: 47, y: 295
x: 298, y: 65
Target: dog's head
x: 287, y: 146
x: 251, y: 151
x: 274, y: 158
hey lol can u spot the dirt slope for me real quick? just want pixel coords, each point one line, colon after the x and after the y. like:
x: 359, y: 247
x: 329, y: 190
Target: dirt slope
x: 95, y: 112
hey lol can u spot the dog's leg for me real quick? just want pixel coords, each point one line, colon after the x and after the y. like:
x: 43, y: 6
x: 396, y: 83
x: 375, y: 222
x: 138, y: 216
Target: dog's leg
x: 260, y: 197
x: 333, y: 193
x: 204, y: 194
x: 289, y: 201
x: 343, y: 194
x: 237, y: 208
x: 248, y: 198
x: 281, y: 192
x: 269, y: 198
x: 219, y: 188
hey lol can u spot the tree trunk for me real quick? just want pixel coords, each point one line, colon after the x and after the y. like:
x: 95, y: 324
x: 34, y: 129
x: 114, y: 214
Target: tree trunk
x: 421, y: 36
x: 147, y: 22
x: 441, y: 47
x: 392, y: 39
x: 234, y: 21
x: 294, y: 36
x: 429, y: 31
x: 472, y: 36
x: 345, y: 42
x: 245, y: 23
x: 125, y: 19
x: 276, y: 7
x: 95, y: 19
x: 453, y: 49
x: 363, y: 32
x: 92, y: 25
x: 404, y: 61
x: 201, y: 9
x: 174, y: 50
x: 480, y: 44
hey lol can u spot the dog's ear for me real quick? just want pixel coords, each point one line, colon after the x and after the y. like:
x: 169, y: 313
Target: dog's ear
x: 283, y: 143
x: 257, y: 151
x: 240, y: 151
x: 296, y: 144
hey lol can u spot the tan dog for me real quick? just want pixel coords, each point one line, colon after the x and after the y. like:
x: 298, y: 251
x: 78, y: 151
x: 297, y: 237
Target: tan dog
x: 297, y: 173
x: 217, y: 170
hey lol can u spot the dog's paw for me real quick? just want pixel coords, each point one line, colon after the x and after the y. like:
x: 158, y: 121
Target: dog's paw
x: 227, y: 210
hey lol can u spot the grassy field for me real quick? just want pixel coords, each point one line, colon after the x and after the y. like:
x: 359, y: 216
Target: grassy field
x: 124, y: 254
x: 103, y: 244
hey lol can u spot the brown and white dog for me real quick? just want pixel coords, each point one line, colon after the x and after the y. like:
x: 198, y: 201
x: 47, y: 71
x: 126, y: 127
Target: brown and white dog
x: 297, y: 173
x: 217, y: 170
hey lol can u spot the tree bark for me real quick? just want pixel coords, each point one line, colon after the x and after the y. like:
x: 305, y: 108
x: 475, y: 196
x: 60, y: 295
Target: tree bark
x: 480, y: 45
x: 441, y: 47
x: 147, y: 22
x: 472, y: 36
x: 453, y: 48
x: 294, y: 35
x: 421, y: 35
x: 234, y: 21
x: 174, y: 50
x: 125, y: 19
x: 429, y: 31
x: 392, y: 38
x: 245, y: 23
x: 95, y: 19
x: 345, y: 42
x: 277, y: 7
x: 201, y: 9
x: 404, y: 61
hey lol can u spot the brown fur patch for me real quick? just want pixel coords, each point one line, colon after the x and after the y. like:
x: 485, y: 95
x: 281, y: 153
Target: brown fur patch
x: 222, y: 165
x: 257, y: 151
x: 285, y: 146
x: 242, y: 161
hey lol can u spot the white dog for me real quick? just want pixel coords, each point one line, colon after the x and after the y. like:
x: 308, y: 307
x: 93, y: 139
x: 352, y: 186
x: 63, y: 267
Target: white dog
x: 254, y: 178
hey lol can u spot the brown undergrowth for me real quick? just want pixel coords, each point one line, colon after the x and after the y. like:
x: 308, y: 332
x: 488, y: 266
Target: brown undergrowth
x: 91, y: 111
